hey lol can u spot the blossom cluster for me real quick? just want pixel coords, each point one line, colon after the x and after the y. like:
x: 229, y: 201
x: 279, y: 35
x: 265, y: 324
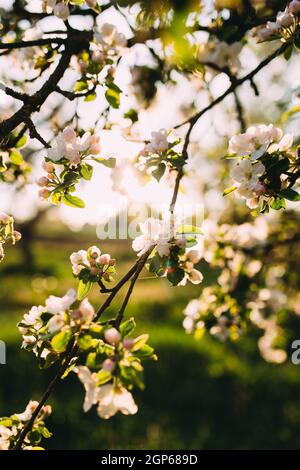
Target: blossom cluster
x: 91, y: 266
x: 7, y: 232
x: 47, y: 330
x: 267, y: 167
x: 171, y: 255
x: 116, y: 363
x: 12, y: 426
x: 215, y: 311
x: 71, y: 152
x: 159, y: 155
x: 286, y: 25
x: 97, y: 64
x: 13, y: 167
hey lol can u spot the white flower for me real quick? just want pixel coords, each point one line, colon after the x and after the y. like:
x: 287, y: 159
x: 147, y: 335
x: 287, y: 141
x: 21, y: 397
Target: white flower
x: 151, y: 232
x: 256, y: 136
x: 220, y: 330
x: 5, y: 434
x: 68, y: 145
x: 32, y: 318
x: 113, y: 399
x: 84, y: 313
x: 195, y: 276
x: 158, y: 143
x: 108, y: 36
x: 56, y: 323
x: 27, y: 414
x: 79, y: 257
x: 247, y: 172
x: 89, y: 381
x: 28, y: 340
x: 56, y: 305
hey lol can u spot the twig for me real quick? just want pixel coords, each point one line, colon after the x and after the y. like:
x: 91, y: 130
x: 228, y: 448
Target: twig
x: 67, y: 357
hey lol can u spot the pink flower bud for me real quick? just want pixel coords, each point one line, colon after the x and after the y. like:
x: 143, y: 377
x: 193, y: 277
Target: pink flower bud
x: 42, y: 181
x: 17, y: 235
x: 128, y: 343
x: 104, y: 259
x: 44, y: 193
x: 61, y: 10
x: 4, y: 218
x: 108, y: 365
x: 98, y: 57
x: 91, y: 3
x: 294, y: 7
x: 94, y: 271
x: 47, y: 410
x: 112, y: 336
x: 48, y: 167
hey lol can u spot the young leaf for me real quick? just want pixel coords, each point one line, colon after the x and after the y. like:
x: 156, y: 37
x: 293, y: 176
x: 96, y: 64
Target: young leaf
x: 290, y: 194
x: 73, y: 201
x: 159, y: 171
x: 83, y: 289
x: 109, y: 162
x: 112, y: 95
x: 103, y: 376
x: 229, y: 190
x: 16, y: 157
x: 127, y: 327
x: 60, y: 341
x: 86, y: 171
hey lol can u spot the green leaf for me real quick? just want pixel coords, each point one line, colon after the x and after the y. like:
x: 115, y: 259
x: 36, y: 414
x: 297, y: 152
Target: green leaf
x: 83, y: 289
x: 229, y: 190
x: 103, y: 376
x: 277, y: 203
x: 112, y: 95
x: 139, y: 342
x: 85, y: 342
x: 127, y: 327
x: 16, y: 157
x: 145, y: 352
x: 21, y: 142
x: 159, y: 171
x: 90, y: 97
x: 60, y: 341
x: 288, y: 53
x: 109, y: 162
x: 73, y: 201
x: 290, y: 194
x: 132, y: 114
x: 81, y: 86
x: 86, y: 171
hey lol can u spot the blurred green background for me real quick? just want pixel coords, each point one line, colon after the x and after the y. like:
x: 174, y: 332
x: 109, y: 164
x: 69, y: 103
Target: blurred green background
x: 201, y: 394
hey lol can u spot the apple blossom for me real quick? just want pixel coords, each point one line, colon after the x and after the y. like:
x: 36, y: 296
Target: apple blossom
x: 112, y: 398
